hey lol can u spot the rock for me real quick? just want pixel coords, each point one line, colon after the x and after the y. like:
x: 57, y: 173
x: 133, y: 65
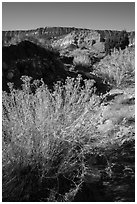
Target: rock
x: 65, y: 41
x: 116, y: 92
x: 79, y: 38
x: 112, y: 94
x: 107, y: 126
x: 128, y: 101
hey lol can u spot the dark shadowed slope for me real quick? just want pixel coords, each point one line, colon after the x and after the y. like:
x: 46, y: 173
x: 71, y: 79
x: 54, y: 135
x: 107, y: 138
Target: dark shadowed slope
x: 27, y: 58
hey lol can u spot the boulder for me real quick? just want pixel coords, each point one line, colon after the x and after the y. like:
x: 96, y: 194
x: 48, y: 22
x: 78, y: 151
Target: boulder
x: 106, y: 126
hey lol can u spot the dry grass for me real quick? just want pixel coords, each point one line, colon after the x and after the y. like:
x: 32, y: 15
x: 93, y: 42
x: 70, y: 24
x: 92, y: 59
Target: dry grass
x: 118, y: 68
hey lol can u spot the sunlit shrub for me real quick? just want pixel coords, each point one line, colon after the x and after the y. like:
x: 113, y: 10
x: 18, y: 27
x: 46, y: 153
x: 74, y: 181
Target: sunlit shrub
x: 51, y: 140
x: 45, y: 136
x: 117, y: 69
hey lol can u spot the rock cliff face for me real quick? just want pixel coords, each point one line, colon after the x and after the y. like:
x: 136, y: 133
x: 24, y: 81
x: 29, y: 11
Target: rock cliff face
x: 47, y: 33
x: 51, y: 35
x: 83, y: 38
x: 56, y: 37
x: 64, y: 39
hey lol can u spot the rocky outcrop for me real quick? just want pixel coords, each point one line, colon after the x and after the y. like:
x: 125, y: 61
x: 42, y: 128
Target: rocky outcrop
x: 9, y: 37
x: 53, y: 34
x: 66, y: 40
x: 119, y: 109
x: 81, y: 39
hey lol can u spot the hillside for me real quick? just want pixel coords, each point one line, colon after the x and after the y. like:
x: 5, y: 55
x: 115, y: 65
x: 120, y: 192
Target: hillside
x: 27, y: 58
x: 49, y: 34
x: 68, y: 115
x: 75, y: 50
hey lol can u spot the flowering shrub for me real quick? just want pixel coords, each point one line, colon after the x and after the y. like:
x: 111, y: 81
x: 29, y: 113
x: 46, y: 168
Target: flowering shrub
x: 43, y: 135
x: 51, y: 141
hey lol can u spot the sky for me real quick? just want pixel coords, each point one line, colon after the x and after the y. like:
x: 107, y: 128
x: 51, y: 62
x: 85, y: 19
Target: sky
x: 91, y: 15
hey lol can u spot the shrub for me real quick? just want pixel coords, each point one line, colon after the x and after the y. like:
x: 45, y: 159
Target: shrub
x: 44, y: 141
x: 82, y: 60
x: 51, y: 143
x: 118, y: 40
x: 99, y: 46
x: 117, y: 69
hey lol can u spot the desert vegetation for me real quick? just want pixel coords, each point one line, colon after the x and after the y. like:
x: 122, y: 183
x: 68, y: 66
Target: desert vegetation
x: 115, y: 39
x: 40, y: 135
x: 72, y: 142
x: 118, y: 68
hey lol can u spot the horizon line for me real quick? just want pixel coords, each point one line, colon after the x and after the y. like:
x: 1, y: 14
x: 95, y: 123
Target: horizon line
x: 65, y: 27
